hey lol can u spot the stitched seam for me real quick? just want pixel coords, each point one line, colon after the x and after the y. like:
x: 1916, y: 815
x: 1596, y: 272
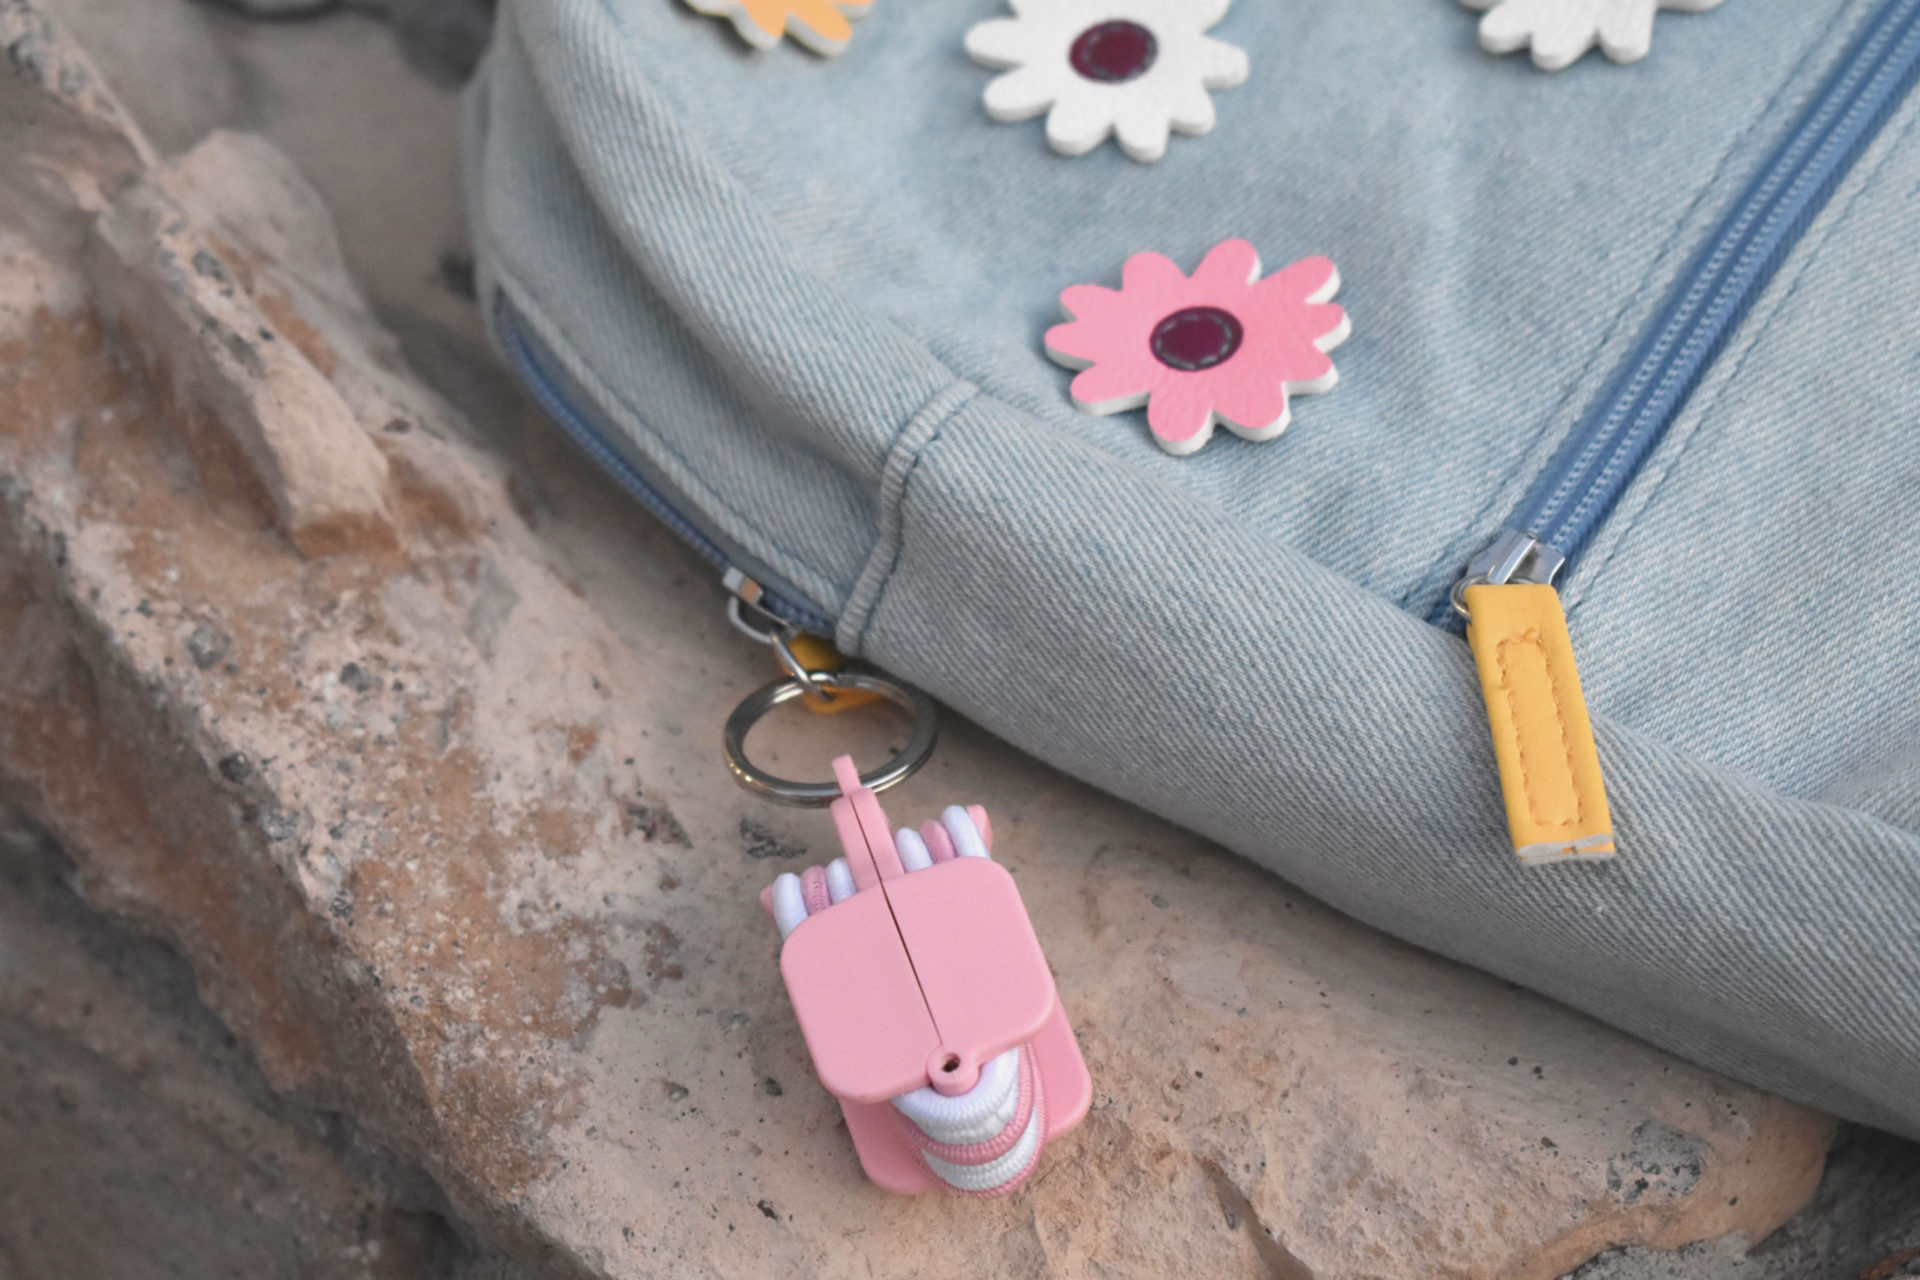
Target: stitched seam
x: 870, y: 587
x: 1458, y: 551
x: 897, y: 548
x: 1656, y: 480
x: 1532, y: 639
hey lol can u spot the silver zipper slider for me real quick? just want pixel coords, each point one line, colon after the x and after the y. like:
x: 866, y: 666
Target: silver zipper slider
x: 1514, y: 556
x: 743, y: 595
x: 741, y: 587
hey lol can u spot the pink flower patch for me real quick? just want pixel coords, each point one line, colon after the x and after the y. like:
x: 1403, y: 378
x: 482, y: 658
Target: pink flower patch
x: 1219, y: 347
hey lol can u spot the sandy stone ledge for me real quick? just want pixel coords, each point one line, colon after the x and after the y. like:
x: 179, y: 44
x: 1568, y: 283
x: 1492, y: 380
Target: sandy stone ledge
x: 418, y: 778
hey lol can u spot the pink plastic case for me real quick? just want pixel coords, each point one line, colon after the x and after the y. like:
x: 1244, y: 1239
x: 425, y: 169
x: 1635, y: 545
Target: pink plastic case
x: 919, y: 980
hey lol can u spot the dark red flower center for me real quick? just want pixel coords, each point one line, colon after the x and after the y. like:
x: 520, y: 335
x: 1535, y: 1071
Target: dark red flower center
x: 1196, y: 338
x: 1113, y: 51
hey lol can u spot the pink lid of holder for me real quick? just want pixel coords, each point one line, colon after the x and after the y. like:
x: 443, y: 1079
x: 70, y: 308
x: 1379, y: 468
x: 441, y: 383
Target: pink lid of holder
x: 921, y: 982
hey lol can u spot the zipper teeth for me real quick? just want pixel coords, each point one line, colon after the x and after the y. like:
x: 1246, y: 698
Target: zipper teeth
x: 591, y: 442
x: 1743, y: 255
x: 1579, y: 487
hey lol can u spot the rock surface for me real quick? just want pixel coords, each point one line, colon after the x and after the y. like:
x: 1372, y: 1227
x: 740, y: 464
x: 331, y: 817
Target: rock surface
x: 184, y: 296
x: 1863, y: 1225
x: 141, y: 1142
x: 431, y: 809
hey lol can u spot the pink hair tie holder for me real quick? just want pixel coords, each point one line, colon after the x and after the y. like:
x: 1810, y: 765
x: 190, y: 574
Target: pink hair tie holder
x: 926, y: 1002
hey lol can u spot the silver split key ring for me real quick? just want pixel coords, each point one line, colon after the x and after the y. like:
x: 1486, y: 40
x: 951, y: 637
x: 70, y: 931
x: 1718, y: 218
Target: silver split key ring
x: 769, y: 630
x: 818, y: 795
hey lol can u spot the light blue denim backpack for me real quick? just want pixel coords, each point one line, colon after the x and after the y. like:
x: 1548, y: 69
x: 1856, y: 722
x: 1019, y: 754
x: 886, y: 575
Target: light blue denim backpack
x: 1663, y: 318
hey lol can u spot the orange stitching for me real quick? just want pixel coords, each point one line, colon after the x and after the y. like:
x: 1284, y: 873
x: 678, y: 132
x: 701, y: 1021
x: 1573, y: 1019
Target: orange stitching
x: 1559, y: 719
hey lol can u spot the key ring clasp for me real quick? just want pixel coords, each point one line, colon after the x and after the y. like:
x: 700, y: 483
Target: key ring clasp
x: 818, y: 795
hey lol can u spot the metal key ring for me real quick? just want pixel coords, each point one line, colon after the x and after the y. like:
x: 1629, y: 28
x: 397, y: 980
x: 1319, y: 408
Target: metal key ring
x: 818, y: 795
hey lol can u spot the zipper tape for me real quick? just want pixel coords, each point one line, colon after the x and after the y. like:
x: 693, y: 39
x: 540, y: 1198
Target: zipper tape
x: 1542, y: 735
x: 1579, y: 488
x: 526, y: 359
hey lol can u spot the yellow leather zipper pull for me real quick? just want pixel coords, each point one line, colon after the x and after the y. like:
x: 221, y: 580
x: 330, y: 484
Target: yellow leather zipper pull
x: 819, y: 656
x: 1549, y: 770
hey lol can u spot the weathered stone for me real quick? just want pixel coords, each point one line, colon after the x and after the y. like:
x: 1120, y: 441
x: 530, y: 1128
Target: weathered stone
x: 140, y: 1142
x: 42, y: 68
x: 396, y: 831
x: 1863, y: 1225
x: 249, y: 377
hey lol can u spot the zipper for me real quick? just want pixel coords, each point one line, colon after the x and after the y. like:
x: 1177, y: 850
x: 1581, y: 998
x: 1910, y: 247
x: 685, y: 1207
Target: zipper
x: 748, y: 585
x: 1579, y: 488
x: 1543, y: 743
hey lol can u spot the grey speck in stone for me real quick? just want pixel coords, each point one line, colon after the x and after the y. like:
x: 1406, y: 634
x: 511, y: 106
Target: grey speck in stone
x: 1661, y: 1157
x: 280, y: 824
x: 759, y: 841
x: 207, y: 644
x: 493, y: 602
x: 654, y: 823
x: 211, y: 267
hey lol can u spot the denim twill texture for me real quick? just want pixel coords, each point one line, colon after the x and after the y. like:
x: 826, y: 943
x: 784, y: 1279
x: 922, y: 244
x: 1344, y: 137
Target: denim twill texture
x: 807, y: 296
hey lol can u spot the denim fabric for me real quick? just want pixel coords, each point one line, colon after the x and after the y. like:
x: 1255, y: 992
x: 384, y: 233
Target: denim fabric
x: 808, y: 297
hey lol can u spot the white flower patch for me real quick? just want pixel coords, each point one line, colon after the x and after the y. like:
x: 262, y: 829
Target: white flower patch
x: 1136, y: 69
x: 1560, y: 31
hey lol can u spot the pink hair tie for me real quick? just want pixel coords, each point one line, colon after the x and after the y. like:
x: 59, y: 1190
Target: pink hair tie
x: 813, y: 890
x: 939, y: 843
x: 998, y: 1145
x: 1037, y: 1127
